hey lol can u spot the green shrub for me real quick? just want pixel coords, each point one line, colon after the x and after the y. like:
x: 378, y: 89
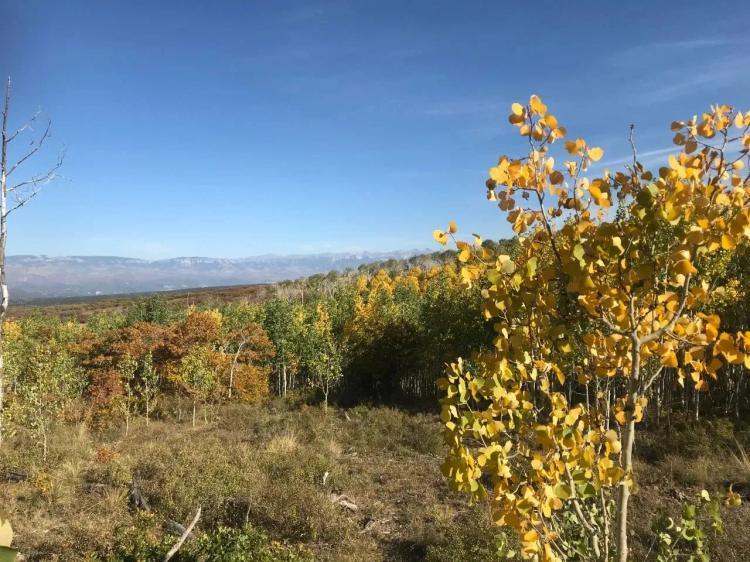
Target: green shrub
x: 144, y: 542
x: 472, y: 538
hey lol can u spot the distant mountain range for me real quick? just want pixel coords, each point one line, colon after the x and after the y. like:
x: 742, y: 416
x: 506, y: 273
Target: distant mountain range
x: 38, y: 277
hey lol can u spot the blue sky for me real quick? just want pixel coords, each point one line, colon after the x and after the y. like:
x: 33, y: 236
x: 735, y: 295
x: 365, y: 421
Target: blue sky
x: 240, y: 128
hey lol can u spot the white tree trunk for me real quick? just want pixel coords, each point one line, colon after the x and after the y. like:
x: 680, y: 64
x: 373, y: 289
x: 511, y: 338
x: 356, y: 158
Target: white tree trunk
x: 231, y: 370
x: 3, y: 241
x: 283, y: 380
x: 623, y: 496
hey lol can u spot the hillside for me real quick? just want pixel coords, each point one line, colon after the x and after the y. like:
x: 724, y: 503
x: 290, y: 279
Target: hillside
x: 44, y: 277
x: 83, y: 306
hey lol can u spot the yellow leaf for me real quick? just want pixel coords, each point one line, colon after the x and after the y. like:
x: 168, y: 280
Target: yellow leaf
x: 559, y: 374
x: 537, y: 106
x: 530, y: 536
x: 733, y: 499
x: 617, y: 243
x: 517, y: 109
x: 669, y: 359
x: 684, y: 267
x: 452, y: 228
x: 6, y: 533
x: 440, y: 236
x: 505, y: 264
x: 531, y: 267
x: 727, y: 242
x: 596, y: 154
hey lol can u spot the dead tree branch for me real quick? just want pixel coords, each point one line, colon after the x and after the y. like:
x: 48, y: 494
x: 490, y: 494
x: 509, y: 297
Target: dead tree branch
x: 183, y: 538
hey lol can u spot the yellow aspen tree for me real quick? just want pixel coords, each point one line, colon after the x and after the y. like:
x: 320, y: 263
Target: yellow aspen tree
x: 607, y: 291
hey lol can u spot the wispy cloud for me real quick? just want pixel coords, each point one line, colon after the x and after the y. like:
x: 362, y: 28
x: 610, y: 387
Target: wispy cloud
x: 711, y: 75
x: 646, y: 158
x: 637, y: 54
x: 656, y: 156
x: 666, y: 70
x: 462, y: 107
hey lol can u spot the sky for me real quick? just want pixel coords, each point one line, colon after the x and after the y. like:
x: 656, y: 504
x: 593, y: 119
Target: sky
x: 238, y: 128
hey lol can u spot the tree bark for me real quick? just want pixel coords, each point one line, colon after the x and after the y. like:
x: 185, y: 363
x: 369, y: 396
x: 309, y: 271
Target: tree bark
x: 234, y: 364
x: 283, y: 379
x: 623, y: 495
x: 36, y: 182
x: 3, y: 242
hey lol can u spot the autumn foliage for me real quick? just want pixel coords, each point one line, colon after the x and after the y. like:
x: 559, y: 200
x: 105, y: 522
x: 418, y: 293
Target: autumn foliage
x: 612, y: 290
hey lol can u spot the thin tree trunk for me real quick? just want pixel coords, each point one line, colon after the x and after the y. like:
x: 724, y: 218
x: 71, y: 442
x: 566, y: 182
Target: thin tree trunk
x: 623, y: 495
x: 193, y: 413
x: 234, y: 364
x: 283, y: 379
x: 3, y: 241
x: 697, y: 405
x: 19, y: 201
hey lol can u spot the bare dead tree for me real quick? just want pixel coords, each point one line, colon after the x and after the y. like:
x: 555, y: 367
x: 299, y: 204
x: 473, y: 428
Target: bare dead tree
x: 13, y: 196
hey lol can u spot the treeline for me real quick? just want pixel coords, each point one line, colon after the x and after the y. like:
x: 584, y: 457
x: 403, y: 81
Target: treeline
x: 382, y: 334
x: 370, y: 336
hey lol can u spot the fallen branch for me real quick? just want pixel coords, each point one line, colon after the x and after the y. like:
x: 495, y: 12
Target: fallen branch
x: 344, y: 501
x: 184, y: 536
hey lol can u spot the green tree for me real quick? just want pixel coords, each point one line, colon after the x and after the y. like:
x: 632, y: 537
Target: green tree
x: 323, y: 354
x: 127, y: 370
x: 197, y: 376
x: 44, y: 379
x: 148, y: 383
x: 284, y: 324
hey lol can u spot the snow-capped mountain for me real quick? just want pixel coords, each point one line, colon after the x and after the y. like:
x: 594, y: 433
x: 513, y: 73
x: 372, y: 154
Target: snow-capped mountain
x: 33, y: 277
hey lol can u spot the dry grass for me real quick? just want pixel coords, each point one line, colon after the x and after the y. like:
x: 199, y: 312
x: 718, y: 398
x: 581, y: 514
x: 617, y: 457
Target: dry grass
x: 264, y: 465
x: 276, y: 467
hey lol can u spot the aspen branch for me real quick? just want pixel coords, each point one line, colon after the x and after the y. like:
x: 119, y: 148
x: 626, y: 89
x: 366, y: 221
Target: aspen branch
x: 609, y: 324
x: 652, y: 379
x: 671, y: 324
x: 579, y: 514
x: 631, y: 141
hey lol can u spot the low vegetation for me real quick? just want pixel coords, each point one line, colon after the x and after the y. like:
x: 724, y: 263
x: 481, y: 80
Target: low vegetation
x: 270, y: 478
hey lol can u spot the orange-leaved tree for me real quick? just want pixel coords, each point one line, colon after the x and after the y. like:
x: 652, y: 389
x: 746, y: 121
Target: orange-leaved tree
x: 607, y: 292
